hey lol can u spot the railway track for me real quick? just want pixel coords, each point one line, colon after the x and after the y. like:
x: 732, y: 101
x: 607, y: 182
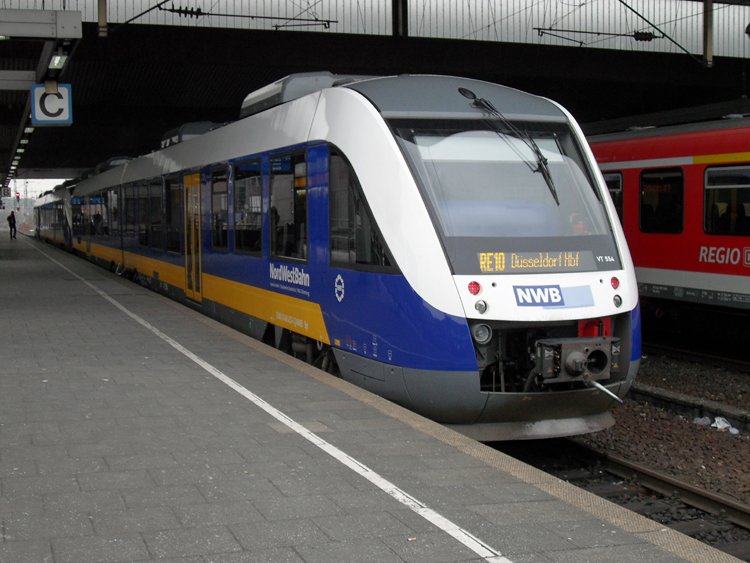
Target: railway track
x: 714, y: 519
x: 690, y: 407
x: 691, y: 353
x: 694, y: 385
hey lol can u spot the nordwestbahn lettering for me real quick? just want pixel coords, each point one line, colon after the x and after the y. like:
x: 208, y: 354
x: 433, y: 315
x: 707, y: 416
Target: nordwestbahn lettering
x: 538, y: 295
x: 295, y: 275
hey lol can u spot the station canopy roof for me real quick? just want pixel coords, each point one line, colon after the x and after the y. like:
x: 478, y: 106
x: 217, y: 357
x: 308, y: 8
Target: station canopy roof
x: 140, y: 81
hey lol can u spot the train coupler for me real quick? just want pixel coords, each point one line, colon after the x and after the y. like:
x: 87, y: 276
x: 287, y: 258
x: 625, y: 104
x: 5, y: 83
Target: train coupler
x: 562, y: 360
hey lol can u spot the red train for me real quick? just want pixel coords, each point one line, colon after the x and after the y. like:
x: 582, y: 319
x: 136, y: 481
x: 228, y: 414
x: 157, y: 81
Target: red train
x: 683, y: 196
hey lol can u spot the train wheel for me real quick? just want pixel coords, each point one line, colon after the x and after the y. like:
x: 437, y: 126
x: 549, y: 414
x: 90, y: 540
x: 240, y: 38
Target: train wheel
x: 282, y: 339
x: 302, y: 347
x: 325, y: 360
x: 311, y: 351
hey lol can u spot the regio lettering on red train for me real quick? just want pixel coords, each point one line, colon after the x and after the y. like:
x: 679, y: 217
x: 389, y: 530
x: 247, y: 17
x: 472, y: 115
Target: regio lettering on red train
x: 724, y: 255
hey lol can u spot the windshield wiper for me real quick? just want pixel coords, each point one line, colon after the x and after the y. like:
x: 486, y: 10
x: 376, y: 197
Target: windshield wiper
x: 542, y: 166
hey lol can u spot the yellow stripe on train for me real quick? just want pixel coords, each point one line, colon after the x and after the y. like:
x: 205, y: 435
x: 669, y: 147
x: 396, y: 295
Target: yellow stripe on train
x: 722, y: 158
x: 297, y: 315
x: 106, y: 253
x: 168, y: 273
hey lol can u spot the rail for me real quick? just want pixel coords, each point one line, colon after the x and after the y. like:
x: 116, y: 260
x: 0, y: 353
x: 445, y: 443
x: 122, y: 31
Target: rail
x: 736, y: 512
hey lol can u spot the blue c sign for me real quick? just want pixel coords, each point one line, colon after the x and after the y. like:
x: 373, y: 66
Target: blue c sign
x: 51, y: 108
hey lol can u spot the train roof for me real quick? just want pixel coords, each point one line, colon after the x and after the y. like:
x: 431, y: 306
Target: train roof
x: 729, y: 122
x: 58, y: 193
x: 187, y: 131
x: 406, y: 95
x: 292, y: 87
x: 410, y: 96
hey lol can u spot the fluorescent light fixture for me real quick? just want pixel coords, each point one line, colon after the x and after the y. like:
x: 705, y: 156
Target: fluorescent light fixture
x: 24, y: 141
x: 20, y: 150
x: 28, y: 130
x: 57, y: 61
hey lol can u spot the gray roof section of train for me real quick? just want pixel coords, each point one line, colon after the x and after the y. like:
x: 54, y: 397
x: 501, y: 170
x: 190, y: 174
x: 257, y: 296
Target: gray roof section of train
x: 292, y: 87
x: 408, y: 95
x: 433, y: 96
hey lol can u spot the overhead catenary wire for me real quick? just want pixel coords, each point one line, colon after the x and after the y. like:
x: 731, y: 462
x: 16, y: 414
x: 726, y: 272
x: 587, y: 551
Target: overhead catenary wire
x: 298, y: 21
x: 666, y: 36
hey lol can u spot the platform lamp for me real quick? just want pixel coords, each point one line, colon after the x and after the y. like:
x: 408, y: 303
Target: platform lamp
x: 58, y: 60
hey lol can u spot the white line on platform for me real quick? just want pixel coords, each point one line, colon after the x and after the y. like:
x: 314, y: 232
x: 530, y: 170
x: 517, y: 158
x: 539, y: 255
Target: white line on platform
x: 467, y: 539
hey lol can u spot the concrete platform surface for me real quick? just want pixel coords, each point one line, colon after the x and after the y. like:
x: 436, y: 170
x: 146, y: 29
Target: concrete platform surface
x: 133, y: 428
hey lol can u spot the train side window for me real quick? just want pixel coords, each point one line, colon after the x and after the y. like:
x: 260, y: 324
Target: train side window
x: 142, y: 217
x: 99, y: 215
x: 614, y: 185
x: 662, y: 197
x: 726, y: 209
x: 155, y: 206
x: 248, y: 217
x: 173, y: 212
x: 79, y: 223
x: 355, y: 239
x: 114, y: 212
x: 219, y: 210
x: 288, y: 212
x: 129, y: 228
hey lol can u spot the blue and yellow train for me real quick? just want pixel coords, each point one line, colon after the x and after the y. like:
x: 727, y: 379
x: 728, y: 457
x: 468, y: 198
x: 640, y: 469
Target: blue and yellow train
x: 446, y: 243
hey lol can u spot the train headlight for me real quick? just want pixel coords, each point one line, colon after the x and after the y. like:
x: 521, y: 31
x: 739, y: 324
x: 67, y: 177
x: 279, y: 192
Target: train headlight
x: 618, y: 301
x: 482, y: 333
x: 481, y: 306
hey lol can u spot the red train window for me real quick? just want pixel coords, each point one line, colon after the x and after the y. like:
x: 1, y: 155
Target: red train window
x: 727, y: 200
x: 662, y: 197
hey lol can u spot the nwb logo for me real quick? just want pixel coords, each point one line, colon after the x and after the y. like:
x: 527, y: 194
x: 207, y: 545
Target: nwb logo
x: 535, y: 295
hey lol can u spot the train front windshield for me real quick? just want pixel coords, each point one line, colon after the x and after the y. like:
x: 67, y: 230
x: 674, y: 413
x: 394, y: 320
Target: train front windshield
x: 521, y: 194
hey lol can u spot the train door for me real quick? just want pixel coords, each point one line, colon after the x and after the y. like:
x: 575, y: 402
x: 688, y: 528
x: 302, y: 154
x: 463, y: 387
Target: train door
x: 192, y: 199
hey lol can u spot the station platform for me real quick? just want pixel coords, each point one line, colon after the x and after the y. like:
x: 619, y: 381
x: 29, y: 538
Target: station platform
x: 133, y: 428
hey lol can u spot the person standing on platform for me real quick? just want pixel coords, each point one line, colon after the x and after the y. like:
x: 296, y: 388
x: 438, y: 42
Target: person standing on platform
x: 12, y: 224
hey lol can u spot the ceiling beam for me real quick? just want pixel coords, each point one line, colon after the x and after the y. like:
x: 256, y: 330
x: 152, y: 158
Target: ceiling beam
x: 40, y: 24
x: 17, y: 79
